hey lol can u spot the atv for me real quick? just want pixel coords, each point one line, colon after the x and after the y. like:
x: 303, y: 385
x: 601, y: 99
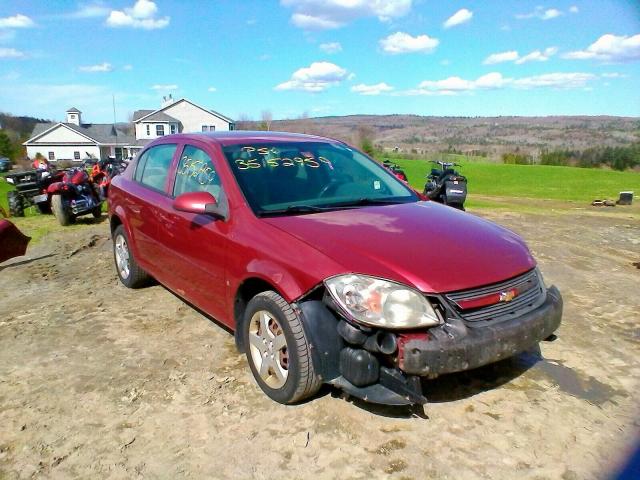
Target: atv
x: 395, y: 169
x: 445, y: 185
x: 31, y: 189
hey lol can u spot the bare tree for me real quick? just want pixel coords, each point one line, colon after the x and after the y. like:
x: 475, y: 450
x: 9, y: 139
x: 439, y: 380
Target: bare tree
x: 267, y: 117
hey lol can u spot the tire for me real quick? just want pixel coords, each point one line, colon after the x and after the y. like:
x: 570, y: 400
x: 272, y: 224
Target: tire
x: 44, y: 208
x: 129, y: 272
x: 16, y: 206
x: 291, y: 376
x: 97, y: 212
x: 64, y: 216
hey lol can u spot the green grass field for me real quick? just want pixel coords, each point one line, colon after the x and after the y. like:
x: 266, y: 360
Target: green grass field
x: 532, y: 181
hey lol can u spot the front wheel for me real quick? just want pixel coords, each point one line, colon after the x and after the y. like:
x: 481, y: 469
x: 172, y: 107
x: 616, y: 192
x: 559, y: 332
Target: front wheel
x: 16, y: 207
x: 97, y: 211
x: 129, y: 272
x: 60, y: 211
x: 277, y: 349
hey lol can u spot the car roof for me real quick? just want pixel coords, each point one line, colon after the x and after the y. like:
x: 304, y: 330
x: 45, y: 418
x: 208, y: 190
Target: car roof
x: 242, y: 136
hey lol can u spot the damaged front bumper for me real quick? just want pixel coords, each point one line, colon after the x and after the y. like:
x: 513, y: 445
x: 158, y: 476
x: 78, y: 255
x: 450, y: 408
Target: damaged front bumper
x: 383, y: 367
x: 454, y: 347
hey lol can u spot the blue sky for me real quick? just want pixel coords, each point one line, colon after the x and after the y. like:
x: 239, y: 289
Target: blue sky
x: 321, y: 57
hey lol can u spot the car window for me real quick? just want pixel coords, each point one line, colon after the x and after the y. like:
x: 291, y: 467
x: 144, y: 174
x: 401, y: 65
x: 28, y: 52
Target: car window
x: 153, y: 166
x: 196, y: 173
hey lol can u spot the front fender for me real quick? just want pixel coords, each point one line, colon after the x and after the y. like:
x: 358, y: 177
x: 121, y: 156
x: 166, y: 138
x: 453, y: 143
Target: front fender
x: 56, y: 188
x: 278, y: 276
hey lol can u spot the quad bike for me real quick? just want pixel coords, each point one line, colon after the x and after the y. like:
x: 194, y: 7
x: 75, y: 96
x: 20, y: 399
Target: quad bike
x: 395, y: 169
x: 445, y: 185
x: 31, y: 189
x: 103, y: 172
x: 74, y: 195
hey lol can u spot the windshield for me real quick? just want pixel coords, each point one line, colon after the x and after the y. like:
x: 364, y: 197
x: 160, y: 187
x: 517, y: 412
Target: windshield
x: 279, y: 178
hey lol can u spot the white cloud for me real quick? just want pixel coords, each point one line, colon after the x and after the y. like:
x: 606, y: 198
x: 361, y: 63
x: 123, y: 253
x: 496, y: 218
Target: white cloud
x: 127, y: 67
x: 538, y: 56
x: 610, y: 48
x: 401, y: 42
x: 501, y: 57
x: 164, y: 87
x: 376, y: 89
x: 11, y: 53
x: 101, y: 67
x: 495, y: 80
x: 331, y: 47
x: 574, y: 9
x: 212, y: 89
x: 90, y: 10
x: 614, y: 75
x: 141, y: 15
x: 514, y: 56
x: 555, y: 80
x: 317, y: 77
x: 329, y: 14
x: 461, y: 16
x: 16, y: 21
x: 541, y: 13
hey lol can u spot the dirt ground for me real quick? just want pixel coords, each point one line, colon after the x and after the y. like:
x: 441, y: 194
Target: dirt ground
x: 98, y: 381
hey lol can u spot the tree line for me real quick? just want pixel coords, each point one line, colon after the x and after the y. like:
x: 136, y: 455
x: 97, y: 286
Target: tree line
x: 617, y: 158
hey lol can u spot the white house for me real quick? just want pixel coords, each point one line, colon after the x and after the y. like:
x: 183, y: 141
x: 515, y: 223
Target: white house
x: 178, y: 116
x: 75, y: 140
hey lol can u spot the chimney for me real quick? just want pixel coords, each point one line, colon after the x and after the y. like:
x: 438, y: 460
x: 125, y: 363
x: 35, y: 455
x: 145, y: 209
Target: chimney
x: 166, y: 101
x: 73, y: 116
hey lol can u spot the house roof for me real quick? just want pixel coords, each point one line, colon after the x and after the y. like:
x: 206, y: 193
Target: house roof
x: 138, y: 114
x: 99, y: 132
x: 73, y: 110
x: 161, y: 117
x: 142, y: 116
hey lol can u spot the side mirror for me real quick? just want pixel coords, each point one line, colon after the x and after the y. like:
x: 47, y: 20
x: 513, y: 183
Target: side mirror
x: 200, y: 203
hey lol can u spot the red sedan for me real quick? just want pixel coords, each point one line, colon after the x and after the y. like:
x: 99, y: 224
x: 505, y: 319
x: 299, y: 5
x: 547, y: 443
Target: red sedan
x: 327, y: 267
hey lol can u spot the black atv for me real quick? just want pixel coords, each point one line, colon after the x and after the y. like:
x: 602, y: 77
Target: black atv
x: 31, y: 189
x: 445, y: 185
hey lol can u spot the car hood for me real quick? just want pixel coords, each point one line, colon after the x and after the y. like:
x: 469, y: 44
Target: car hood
x: 430, y: 246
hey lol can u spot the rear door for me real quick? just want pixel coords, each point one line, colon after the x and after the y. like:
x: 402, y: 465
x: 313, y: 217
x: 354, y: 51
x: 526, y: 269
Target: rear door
x: 195, y: 246
x: 144, y: 200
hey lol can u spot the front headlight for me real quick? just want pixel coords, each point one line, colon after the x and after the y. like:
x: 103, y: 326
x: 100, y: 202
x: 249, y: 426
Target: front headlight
x: 381, y: 303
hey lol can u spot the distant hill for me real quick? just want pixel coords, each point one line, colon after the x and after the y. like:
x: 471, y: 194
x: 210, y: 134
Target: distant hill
x: 23, y: 126
x: 490, y: 136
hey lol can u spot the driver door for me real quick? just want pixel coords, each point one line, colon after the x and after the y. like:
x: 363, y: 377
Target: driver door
x: 196, y: 245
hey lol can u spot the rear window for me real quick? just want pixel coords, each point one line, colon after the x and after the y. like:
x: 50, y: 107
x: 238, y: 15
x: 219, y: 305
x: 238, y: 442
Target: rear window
x: 153, y: 166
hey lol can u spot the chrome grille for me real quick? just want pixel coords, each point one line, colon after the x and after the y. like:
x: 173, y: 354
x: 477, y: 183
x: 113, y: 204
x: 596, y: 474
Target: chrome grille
x: 530, y: 299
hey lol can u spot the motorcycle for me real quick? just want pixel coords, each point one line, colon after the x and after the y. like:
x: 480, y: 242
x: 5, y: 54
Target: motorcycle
x: 74, y: 195
x: 445, y: 185
x: 395, y: 169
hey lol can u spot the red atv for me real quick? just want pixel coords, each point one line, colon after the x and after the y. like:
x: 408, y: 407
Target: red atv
x: 396, y: 170
x: 31, y: 189
x: 74, y: 195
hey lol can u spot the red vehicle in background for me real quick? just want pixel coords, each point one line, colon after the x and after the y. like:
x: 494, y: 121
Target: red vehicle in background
x: 326, y: 266
x: 74, y: 195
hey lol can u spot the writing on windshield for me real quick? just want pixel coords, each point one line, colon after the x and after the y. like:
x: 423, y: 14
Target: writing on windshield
x: 259, y: 157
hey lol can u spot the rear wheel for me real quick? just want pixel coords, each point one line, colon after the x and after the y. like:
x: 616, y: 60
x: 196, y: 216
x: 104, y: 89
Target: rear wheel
x: 277, y: 349
x: 60, y: 211
x: 129, y: 272
x: 16, y: 207
x: 97, y: 211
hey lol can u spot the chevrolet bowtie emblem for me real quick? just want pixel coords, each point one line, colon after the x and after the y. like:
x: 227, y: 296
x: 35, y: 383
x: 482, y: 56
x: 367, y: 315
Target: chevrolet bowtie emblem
x: 507, y: 296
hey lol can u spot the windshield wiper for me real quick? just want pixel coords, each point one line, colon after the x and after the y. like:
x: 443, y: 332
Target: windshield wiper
x: 364, y: 201
x: 292, y: 209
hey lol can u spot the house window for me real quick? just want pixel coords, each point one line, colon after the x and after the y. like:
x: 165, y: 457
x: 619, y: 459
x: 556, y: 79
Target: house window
x: 148, y: 129
x: 205, y: 128
x: 160, y: 130
x: 72, y: 116
x: 212, y: 128
x: 52, y: 156
x: 208, y: 128
x: 232, y: 126
x: 76, y: 155
x: 173, y: 128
